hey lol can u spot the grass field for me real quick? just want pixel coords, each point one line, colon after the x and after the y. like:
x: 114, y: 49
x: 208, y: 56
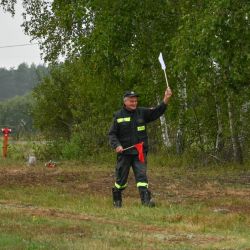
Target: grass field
x: 69, y: 207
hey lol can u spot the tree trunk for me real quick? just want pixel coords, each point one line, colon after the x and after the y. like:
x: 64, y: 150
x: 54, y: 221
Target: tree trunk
x: 163, y: 122
x: 244, y: 121
x: 237, y: 151
x: 219, y: 144
x: 164, y: 129
x: 182, y: 93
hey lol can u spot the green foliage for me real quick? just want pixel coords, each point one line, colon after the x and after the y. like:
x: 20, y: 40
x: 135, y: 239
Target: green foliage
x: 51, y: 109
x: 112, y: 46
x: 119, y: 50
x: 212, y: 51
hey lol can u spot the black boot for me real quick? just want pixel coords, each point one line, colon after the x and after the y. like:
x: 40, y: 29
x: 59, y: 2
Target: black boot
x: 117, y: 197
x: 145, y: 195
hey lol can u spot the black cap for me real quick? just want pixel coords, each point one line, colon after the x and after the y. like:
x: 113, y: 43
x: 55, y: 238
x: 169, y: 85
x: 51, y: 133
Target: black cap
x: 130, y: 94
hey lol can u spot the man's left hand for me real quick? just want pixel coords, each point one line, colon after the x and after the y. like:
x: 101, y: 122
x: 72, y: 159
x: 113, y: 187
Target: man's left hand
x: 167, y: 96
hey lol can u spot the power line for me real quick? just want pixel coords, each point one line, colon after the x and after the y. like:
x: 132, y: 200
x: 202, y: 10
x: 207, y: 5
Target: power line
x: 18, y: 45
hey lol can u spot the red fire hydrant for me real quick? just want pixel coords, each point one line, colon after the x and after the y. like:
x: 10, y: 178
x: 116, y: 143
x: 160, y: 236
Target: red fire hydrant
x: 6, y: 132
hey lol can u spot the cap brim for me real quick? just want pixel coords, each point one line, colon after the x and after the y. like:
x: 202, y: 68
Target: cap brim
x: 131, y: 95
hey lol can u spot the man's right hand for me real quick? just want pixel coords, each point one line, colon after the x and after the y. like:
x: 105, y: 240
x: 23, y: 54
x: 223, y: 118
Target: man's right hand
x: 119, y: 149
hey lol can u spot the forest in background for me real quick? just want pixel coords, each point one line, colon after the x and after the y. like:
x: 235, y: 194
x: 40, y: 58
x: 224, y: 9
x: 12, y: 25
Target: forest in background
x: 15, y: 96
x: 113, y: 46
x: 17, y: 82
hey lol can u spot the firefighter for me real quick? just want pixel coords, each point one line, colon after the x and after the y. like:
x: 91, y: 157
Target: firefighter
x: 129, y: 128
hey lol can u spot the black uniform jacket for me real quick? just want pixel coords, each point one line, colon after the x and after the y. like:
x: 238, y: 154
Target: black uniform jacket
x: 129, y: 127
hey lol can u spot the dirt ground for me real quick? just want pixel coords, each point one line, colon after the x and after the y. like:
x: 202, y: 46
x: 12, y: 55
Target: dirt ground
x: 175, y: 189
x: 187, y: 188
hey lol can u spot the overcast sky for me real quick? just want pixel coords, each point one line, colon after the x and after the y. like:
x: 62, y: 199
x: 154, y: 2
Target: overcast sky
x: 11, y: 33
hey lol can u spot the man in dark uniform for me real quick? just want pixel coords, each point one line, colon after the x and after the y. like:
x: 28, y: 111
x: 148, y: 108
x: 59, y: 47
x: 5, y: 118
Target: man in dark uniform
x: 129, y: 128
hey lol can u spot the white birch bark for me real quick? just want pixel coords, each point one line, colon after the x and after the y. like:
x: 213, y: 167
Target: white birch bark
x: 237, y: 152
x: 219, y: 144
x: 164, y: 130
x: 182, y: 94
x: 163, y: 122
x: 219, y: 135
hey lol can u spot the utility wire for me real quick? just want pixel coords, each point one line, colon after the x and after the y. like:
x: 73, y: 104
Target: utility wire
x: 18, y: 45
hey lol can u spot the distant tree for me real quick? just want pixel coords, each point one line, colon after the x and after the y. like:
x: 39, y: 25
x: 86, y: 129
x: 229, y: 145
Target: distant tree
x: 17, y: 82
x: 51, y: 111
x: 16, y: 114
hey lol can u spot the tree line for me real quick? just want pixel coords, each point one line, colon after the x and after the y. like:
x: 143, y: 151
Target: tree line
x: 113, y: 46
x: 15, y: 96
x: 17, y: 82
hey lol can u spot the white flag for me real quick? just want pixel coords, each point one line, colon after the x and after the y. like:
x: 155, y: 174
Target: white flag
x: 163, y: 66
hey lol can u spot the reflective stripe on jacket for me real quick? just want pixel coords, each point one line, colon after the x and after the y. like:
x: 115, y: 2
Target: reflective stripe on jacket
x: 129, y: 127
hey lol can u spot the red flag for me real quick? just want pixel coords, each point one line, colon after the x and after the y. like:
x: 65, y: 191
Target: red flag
x: 139, y: 147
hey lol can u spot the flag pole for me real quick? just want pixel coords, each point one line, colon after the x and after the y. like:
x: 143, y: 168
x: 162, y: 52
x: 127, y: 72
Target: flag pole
x: 129, y: 148
x: 133, y: 146
x: 166, y: 78
x: 139, y: 148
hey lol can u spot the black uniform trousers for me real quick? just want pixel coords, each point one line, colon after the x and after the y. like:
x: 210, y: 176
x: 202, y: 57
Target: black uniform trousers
x: 124, y: 162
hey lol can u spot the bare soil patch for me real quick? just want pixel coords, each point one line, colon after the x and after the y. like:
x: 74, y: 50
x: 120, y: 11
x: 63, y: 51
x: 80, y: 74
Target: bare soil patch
x: 173, y: 189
